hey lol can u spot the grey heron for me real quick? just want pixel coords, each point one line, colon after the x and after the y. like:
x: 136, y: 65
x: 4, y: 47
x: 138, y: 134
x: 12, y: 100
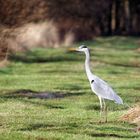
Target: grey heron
x: 99, y: 86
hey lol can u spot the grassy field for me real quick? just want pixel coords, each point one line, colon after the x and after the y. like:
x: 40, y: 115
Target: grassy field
x: 27, y: 114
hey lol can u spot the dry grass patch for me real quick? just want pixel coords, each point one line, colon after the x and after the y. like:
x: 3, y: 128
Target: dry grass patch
x: 133, y: 116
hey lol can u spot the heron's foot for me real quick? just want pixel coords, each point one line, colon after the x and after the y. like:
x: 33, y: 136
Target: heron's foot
x: 105, y: 120
x: 102, y: 121
x: 105, y: 114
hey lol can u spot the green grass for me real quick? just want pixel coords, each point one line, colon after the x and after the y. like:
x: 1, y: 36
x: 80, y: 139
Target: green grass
x: 76, y: 115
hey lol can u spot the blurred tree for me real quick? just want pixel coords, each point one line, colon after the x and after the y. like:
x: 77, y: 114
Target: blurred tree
x: 135, y: 16
x: 113, y: 16
x: 127, y: 16
x: 85, y: 19
x: 71, y: 20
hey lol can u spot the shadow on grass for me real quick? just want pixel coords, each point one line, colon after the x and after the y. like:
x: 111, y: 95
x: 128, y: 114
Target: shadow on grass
x: 114, y: 131
x: 34, y: 57
x: 136, y: 65
x: 41, y: 95
x: 26, y: 95
x: 93, y: 107
x: 111, y: 106
x: 76, y: 128
x: 112, y: 135
x: 130, y: 65
x: 50, y: 127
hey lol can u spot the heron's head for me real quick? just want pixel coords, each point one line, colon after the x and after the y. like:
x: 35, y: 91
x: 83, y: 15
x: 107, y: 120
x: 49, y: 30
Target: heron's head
x: 82, y: 48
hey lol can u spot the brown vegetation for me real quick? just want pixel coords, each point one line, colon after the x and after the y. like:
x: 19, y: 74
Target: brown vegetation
x: 132, y: 115
x: 24, y: 24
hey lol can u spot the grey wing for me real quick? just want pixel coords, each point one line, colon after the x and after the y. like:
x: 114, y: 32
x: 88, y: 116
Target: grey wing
x: 102, y: 89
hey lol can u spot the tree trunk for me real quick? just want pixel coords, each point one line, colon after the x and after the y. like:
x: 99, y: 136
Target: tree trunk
x: 113, y: 17
x: 127, y: 16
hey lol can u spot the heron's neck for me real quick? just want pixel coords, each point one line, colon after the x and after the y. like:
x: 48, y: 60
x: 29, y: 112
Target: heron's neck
x: 87, y: 65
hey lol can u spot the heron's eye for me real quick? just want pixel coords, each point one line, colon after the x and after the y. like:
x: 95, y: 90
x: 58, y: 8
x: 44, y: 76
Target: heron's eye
x: 92, y: 81
x: 84, y: 47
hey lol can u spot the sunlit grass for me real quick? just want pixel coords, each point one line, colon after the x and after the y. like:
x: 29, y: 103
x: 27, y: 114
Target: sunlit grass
x: 76, y: 115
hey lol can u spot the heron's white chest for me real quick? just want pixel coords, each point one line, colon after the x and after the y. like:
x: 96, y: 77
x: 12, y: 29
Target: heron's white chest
x: 94, y: 88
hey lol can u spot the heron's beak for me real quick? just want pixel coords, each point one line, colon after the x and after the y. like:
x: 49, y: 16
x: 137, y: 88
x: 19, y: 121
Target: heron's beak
x: 72, y: 49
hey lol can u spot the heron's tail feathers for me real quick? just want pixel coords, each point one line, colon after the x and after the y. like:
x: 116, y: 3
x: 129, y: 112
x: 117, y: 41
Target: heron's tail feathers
x: 118, y: 100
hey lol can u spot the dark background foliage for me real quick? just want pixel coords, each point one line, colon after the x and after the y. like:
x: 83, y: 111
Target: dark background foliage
x: 82, y: 19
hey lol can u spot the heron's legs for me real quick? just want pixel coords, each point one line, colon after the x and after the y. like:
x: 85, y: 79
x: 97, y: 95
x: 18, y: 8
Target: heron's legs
x: 101, y: 108
x: 105, y: 110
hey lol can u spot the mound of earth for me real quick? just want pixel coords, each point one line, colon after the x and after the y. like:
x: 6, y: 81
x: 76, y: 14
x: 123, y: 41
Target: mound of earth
x: 133, y: 116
